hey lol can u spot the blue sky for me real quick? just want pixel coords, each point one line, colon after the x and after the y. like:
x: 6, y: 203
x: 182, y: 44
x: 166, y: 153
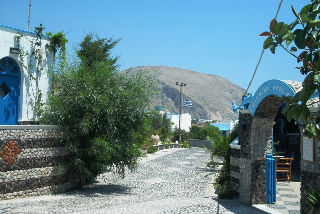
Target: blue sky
x: 208, y: 36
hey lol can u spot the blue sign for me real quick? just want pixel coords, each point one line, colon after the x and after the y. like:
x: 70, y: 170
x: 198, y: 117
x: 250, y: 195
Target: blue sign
x: 271, y: 87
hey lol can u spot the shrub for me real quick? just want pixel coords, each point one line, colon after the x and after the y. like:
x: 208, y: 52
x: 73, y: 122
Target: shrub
x: 221, y: 149
x: 197, y: 132
x: 99, y: 111
x: 184, y: 135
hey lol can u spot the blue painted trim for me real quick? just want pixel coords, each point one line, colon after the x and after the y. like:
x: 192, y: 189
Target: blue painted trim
x: 271, y: 87
x: 24, y: 31
x: 243, y: 104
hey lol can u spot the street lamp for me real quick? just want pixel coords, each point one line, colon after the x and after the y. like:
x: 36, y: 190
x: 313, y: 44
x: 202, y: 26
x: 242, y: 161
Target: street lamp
x: 180, y: 107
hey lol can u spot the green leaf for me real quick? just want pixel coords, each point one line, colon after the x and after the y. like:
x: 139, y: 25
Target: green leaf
x: 268, y: 43
x: 316, y: 7
x: 305, y: 114
x: 314, y: 14
x: 278, y: 27
x: 272, y: 25
x: 316, y: 78
x: 288, y: 35
x: 314, y: 34
x: 305, y: 9
x: 291, y: 113
x: 288, y: 42
x: 284, y: 30
x: 315, y: 23
x: 299, y: 38
x: 304, y: 18
x: 297, y: 113
x: 273, y: 48
x: 285, y: 109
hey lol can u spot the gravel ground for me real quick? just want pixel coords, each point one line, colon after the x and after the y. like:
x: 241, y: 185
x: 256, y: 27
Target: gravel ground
x: 169, y: 181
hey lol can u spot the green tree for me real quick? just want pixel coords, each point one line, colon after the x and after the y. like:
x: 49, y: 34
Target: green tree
x: 300, y: 39
x: 93, y: 51
x: 99, y: 112
x: 197, y: 132
x: 165, y: 130
x: 160, y: 124
x: 184, y: 135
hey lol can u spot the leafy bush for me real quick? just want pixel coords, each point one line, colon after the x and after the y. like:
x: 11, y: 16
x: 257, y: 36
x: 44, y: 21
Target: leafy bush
x: 185, y: 144
x: 99, y: 112
x: 204, y: 132
x: 221, y: 149
x: 160, y: 125
x: 197, y: 132
x: 313, y: 196
x: 184, y: 135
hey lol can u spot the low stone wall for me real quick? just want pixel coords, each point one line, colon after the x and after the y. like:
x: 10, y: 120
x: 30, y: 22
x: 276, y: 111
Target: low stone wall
x: 167, y: 146
x: 308, y: 179
x: 241, y: 174
x: 310, y: 176
x: 30, y: 156
x: 200, y: 143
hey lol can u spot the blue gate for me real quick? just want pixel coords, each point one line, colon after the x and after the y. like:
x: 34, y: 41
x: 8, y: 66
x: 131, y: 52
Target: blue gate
x: 9, y: 91
x: 271, y: 179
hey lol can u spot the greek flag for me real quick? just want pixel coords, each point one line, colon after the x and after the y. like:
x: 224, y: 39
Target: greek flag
x: 187, y: 103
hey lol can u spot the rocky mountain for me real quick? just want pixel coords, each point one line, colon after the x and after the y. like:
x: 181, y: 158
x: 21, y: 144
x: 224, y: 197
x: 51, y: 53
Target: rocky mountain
x: 211, y: 95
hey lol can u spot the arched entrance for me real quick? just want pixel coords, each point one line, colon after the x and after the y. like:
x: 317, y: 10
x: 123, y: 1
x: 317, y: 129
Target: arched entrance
x: 10, y: 83
x: 256, y: 122
x: 257, y: 131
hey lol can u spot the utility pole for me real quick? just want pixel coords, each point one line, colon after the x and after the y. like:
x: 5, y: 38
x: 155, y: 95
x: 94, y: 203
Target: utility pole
x: 29, y: 15
x: 180, y: 107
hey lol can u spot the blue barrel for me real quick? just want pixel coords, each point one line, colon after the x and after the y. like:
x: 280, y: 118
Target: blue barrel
x: 271, y: 180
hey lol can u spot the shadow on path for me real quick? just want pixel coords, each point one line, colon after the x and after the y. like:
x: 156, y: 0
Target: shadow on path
x: 234, y: 206
x: 101, y: 189
x: 211, y: 171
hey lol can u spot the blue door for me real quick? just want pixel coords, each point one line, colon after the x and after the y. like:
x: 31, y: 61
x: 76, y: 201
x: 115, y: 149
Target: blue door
x: 9, y: 91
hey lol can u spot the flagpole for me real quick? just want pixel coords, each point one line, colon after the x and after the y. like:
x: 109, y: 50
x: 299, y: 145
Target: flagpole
x: 29, y: 15
x: 180, y: 107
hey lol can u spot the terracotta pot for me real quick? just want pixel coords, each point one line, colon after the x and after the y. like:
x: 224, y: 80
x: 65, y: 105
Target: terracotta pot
x: 155, y: 139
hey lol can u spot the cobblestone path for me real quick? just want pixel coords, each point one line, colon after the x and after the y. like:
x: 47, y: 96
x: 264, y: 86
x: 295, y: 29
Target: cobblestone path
x: 174, y: 182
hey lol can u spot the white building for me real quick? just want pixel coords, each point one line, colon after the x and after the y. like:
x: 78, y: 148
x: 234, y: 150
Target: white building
x: 185, y: 122
x: 18, y: 71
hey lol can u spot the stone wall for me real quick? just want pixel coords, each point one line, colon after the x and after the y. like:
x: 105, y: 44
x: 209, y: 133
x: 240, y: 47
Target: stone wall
x: 235, y: 169
x: 30, y: 158
x: 310, y: 176
x: 240, y: 162
x: 200, y: 143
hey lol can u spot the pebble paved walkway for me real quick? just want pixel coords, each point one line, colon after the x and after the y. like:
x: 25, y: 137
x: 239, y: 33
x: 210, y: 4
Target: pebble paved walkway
x: 170, y: 181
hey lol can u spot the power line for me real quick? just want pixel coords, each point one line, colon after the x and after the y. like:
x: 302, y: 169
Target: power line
x: 262, y: 52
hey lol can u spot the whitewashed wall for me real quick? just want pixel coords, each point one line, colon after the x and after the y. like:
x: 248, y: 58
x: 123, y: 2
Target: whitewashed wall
x: 185, y: 121
x: 28, y: 89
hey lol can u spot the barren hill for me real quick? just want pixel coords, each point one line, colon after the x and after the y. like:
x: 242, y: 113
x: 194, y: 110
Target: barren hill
x: 211, y: 95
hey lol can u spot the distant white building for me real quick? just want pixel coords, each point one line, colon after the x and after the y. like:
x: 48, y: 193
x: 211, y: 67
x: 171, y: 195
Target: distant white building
x: 17, y: 86
x: 185, y: 122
